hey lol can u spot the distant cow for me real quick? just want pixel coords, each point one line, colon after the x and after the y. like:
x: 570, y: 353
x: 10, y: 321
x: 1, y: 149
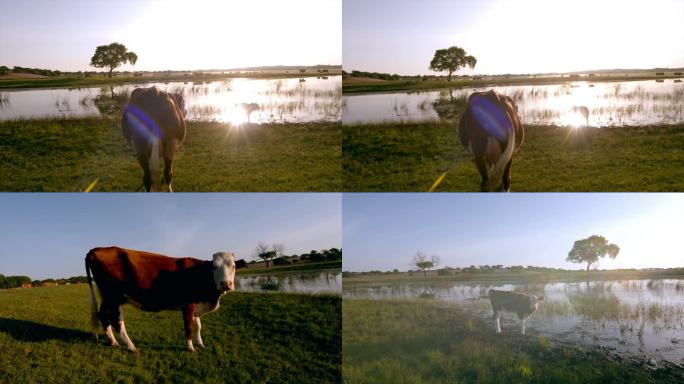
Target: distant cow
x: 154, y: 283
x: 519, y: 303
x: 582, y: 110
x: 153, y: 123
x: 491, y: 130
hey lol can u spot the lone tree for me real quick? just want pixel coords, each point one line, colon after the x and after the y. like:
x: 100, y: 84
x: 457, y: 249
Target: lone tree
x: 112, y: 56
x: 590, y: 249
x: 266, y: 253
x: 424, y: 262
x: 451, y: 60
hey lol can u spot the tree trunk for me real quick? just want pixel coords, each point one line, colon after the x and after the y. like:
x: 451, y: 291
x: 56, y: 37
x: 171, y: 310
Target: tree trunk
x: 266, y: 263
x: 110, y: 71
x: 449, y: 76
x: 588, y: 265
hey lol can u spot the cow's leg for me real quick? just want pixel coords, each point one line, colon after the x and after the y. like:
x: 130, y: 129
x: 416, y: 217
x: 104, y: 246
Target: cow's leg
x: 507, y: 176
x: 105, y: 314
x: 121, y: 328
x: 188, y: 315
x: 497, y: 317
x: 523, y: 323
x: 144, y: 164
x: 197, y: 325
x: 481, y: 164
x: 170, y: 147
x: 168, y: 171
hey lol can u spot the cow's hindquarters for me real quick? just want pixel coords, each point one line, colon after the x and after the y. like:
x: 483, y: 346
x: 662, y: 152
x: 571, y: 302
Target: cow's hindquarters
x: 497, y: 174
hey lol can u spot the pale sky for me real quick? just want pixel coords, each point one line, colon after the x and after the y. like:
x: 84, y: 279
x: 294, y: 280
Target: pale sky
x: 171, y: 34
x: 513, y: 36
x: 49, y: 234
x: 382, y: 231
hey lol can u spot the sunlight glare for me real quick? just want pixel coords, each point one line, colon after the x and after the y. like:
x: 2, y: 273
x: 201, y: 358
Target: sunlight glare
x: 233, y: 34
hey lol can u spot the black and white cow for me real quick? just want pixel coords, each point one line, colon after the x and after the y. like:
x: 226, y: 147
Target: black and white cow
x: 525, y: 306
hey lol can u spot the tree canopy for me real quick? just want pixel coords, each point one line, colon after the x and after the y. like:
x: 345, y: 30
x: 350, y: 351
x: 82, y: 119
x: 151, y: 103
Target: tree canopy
x: 112, y: 56
x: 451, y: 60
x: 424, y: 262
x: 590, y: 249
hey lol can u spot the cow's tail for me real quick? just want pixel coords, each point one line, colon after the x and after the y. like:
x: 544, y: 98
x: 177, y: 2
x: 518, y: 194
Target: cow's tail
x: 155, y: 173
x: 94, y: 322
x: 497, y: 171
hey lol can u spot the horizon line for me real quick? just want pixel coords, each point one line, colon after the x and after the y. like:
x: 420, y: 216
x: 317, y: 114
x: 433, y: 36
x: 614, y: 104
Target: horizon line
x: 535, y: 73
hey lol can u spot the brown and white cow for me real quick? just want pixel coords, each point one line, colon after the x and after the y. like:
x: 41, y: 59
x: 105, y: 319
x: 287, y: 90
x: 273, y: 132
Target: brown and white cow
x: 154, y: 282
x: 153, y: 122
x: 525, y: 306
x: 492, y: 131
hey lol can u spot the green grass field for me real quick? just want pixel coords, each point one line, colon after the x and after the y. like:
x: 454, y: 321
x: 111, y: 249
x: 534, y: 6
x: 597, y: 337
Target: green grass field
x: 45, y: 337
x: 411, y: 156
x: 414, y: 341
x: 68, y: 155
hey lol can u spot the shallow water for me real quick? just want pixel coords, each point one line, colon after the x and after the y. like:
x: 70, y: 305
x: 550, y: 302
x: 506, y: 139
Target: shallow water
x: 630, y: 103
x: 634, y: 317
x: 234, y: 100
x: 329, y: 281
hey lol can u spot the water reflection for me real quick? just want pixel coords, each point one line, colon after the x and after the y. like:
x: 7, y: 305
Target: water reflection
x: 293, y: 282
x: 629, y: 316
x: 233, y: 101
x: 608, y: 104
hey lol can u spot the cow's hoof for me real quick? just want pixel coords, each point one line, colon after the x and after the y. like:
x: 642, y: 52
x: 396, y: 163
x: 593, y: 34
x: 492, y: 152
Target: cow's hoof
x: 201, y: 345
x: 135, y: 351
x: 115, y: 345
x: 192, y: 350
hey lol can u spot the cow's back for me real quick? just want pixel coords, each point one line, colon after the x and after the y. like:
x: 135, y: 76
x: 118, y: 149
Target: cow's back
x: 154, y: 281
x: 157, y: 111
x: 489, y: 114
x: 508, y: 301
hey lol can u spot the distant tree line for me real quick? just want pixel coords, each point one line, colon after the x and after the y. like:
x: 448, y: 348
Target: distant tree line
x: 275, y: 254
x: 17, y: 281
x: 376, y: 75
x: 13, y: 281
x: 446, y: 271
x: 36, y: 71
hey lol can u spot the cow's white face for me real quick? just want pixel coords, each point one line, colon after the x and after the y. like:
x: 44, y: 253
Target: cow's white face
x: 224, y: 271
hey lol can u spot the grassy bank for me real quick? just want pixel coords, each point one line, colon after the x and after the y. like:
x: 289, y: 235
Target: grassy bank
x: 68, y: 155
x: 411, y: 156
x: 252, y: 338
x: 67, y: 81
x: 522, y: 276
x: 352, y: 85
x: 291, y: 268
x: 419, y: 342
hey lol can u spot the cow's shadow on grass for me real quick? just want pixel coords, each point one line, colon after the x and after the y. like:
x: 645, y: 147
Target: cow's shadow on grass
x: 24, y: 330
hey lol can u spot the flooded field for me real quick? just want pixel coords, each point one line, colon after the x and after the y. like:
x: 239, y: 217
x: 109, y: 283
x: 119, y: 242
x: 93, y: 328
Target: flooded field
x: 328, y: 281
x: 630, y: 103
x: 233, y: 101
x: 631, y: 317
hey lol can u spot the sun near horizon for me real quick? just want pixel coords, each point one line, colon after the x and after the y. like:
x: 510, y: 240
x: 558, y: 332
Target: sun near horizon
x: 172, y: 35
